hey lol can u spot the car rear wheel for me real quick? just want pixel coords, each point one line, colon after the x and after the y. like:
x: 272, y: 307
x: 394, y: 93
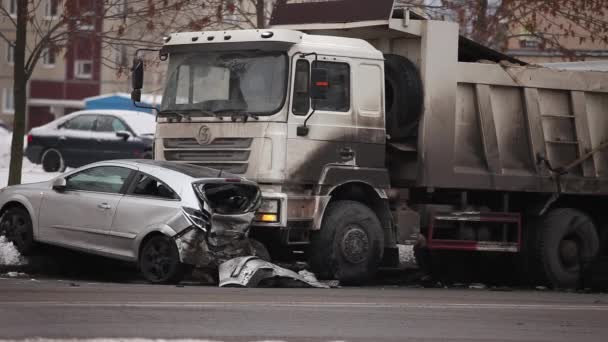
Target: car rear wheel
x: 159, y: 261
x: 52, y: 161
x: 16, y: 225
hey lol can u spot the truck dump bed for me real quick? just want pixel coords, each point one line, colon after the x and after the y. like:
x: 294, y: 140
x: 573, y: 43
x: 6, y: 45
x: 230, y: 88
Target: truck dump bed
x: 516, y: 128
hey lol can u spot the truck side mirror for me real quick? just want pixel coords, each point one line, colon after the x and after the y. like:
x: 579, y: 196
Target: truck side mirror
x: 319, y: 84
x: 137, y: 78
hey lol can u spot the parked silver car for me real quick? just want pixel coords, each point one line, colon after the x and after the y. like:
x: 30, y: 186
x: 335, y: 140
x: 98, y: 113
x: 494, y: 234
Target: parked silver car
x: 144, y: 211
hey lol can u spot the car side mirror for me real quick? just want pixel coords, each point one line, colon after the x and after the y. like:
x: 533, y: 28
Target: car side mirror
x: 137, y: 78
x: 123, y: 134
x: 319, y: 84
x: 59, y: 184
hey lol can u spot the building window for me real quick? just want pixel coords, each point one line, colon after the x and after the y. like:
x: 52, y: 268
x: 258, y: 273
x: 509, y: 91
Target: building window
x: 51, y: 9
x: 83, y: 69
x: 10, y: 53
x: 48, y: 57
x: 12, y: 8
x: 8, y: 102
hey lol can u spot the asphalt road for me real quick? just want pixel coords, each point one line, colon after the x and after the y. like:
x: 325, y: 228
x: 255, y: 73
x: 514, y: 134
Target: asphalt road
x: 64, y: 309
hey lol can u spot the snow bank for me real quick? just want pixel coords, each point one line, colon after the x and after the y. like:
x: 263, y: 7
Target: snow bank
x: 9, y: 255
x: 5, y: 147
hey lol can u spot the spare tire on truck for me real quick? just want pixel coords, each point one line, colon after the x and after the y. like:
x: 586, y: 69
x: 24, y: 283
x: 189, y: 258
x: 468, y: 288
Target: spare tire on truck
x: 565, y: 240
x: 404, y: 97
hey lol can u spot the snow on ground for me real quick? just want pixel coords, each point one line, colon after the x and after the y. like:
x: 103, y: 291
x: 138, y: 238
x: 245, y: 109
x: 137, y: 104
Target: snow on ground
x: 9, y: 255
x: 31, y: 173
x: 406, y: 255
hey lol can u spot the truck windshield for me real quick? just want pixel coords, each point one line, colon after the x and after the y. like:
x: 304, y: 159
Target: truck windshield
x: 226, y: 82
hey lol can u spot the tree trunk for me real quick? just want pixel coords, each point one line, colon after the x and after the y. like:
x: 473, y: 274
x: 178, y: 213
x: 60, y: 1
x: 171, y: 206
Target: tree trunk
x: 259, y: 11
x: 19, y: 95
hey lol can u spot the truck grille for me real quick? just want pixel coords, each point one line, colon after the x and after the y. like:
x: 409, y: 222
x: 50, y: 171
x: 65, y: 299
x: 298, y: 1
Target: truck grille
x: 228, y: 154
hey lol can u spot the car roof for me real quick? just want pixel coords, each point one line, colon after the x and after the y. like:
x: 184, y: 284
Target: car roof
x: 192, y: 171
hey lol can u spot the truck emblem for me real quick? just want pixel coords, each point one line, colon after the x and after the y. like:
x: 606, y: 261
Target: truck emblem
x: 204, y: 136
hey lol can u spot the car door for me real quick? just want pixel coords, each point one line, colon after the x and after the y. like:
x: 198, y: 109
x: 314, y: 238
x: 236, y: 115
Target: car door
x: 148, y: 204
x: 81, y: 215
x: 74, y: 140
x: 331, y: 125
x: 108, y: 143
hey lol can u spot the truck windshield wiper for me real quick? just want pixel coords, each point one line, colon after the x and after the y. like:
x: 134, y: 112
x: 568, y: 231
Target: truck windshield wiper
x: 186, y: 114
x: 235, y: 114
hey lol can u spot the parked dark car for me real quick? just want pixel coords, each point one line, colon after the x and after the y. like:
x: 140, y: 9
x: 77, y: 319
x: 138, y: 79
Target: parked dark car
x: 90, y: 136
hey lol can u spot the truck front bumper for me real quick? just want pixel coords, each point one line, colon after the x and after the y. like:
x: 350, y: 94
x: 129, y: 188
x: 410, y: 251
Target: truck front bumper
x: 296, y: 216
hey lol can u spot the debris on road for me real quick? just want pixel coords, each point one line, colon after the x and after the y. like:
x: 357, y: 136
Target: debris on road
x: 251, y: 271
x: 478, y: 286
x: 16, y: 274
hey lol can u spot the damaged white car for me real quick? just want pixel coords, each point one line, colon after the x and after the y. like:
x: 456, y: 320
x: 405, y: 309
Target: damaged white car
x: 165, y: 216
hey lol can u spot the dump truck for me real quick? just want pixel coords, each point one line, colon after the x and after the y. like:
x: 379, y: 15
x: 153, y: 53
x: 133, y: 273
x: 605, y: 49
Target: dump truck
x: 367, y: 135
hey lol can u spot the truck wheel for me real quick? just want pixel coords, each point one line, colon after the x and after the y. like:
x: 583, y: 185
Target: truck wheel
x: 403, y: 96
x: 565, y: 238
x: 349, y: 245
x: 52, y: 161
x: 159, y: 261
x: 16, y: 225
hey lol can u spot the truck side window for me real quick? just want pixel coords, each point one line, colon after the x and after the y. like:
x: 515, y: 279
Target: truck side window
x: 301, y: 99
x: 338, y: 94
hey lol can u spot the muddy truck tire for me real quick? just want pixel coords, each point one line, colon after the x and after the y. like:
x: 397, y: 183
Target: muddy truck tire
x: 16, y: 225
x: 403, y: 96
x: 349, y: 245
x: 565, y: 240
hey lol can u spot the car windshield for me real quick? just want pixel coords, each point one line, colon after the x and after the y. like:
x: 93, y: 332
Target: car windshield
x: 227, y: 82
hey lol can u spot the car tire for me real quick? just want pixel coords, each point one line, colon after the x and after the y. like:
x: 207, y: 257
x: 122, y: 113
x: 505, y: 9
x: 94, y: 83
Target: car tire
x: 16, y: 225
x: 52, y: 161
x: 565, y: 239
x: 159, y: 261
x: 349, y: 245
x: 403, y: 97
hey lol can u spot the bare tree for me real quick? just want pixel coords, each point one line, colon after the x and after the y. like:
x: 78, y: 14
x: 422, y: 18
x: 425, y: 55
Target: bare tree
x: 123, y: 23
x: 554, y: 24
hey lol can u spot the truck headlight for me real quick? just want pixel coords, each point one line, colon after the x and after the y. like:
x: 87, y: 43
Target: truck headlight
x: 269, y: 211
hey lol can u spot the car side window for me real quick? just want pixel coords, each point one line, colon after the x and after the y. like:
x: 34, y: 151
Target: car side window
x: 108, y: 179
x: 338, y: 93
x: 148, y: 186
x: 80, y: 123
x: 107, y: 123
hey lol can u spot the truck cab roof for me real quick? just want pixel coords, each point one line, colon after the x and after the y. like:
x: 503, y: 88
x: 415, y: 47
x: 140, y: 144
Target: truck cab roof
x: 270, y: 39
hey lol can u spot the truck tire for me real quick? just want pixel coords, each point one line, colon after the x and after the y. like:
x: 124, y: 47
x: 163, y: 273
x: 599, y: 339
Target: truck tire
x: 565, y: 238
x: 404, y: 97
x: 349, y: 245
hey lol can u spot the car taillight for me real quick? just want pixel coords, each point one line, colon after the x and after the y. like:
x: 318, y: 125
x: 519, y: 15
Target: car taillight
x: 29, y: 138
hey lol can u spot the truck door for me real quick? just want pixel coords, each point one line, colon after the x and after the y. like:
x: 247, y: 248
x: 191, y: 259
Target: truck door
x: 370, y: 136
x: 331, y: 126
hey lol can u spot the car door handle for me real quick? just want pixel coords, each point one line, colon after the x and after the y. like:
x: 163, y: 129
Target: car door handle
x: 62, y: 137
x: 104, y: 206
